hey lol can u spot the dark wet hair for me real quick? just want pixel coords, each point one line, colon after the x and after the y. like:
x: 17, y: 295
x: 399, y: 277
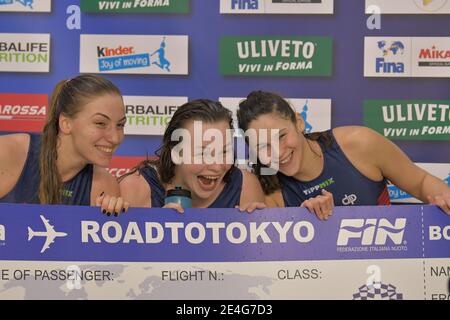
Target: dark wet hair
x: 259, y: 103
x: 68, y: 98
x: 204, y: 110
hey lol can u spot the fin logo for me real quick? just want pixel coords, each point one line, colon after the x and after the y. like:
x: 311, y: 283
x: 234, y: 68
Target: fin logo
x: 2, y: 233
x: 50, y: 234
x: 25, y: 3
x: 430, y: 5
x: 371, y: 231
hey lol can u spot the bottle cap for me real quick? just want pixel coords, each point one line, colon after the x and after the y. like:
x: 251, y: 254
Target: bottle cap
x: 178, y: 192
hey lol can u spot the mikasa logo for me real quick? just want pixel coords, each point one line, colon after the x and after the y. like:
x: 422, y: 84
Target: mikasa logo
x: 2, y: 233
x: 371, y: 231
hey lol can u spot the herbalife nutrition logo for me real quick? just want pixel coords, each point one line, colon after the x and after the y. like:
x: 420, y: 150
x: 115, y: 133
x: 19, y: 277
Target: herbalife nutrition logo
x: 276, y: 56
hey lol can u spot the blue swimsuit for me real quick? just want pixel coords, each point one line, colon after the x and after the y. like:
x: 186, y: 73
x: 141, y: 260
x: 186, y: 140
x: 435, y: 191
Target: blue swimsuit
x: 76, y: 191
x: 228, y: 198
x: 340, y: 177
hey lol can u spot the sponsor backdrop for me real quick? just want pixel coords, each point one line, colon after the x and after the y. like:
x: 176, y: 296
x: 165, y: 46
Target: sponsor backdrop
x: 320, y: 54
x: 274, y: 254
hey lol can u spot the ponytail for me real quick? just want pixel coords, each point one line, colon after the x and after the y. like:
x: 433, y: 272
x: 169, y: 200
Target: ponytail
x: 68, y: 98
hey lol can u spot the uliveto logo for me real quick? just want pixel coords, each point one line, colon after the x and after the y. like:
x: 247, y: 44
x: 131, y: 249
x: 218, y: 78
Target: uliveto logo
x: 2, y: 233
x: 371, y: 231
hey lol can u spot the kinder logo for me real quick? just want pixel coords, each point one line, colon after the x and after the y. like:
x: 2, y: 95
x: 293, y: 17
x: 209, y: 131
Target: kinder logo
x: 120, y: 58
x: 371, y: 231
x: 2, y: 233
x: 23, y: 112
x: 111, y: 52
x: 134, y: 54
x: 439, y: 233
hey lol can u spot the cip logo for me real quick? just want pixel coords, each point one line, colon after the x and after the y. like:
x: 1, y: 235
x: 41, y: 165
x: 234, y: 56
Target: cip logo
x: 371, y: 231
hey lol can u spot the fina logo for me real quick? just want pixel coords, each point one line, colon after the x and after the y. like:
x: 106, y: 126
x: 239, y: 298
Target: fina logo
x: 371, y: 231
x: 244, y: 4
x: 25, y: 3
x: 396, y: 48
x: 2, y: 233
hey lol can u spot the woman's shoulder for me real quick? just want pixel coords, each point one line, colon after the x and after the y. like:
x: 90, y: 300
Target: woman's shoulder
x: 14, y: 148
x: 136, y: 190
x: 103, y: 181
x: 355, y: 137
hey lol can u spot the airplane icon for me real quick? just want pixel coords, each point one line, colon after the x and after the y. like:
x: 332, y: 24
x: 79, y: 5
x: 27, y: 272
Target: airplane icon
x: 49, y: 233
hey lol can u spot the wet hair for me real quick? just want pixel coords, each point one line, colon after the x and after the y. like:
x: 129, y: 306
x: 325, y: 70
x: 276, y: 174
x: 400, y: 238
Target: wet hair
x: 204, y: 110
x: 259, y: 103
x: 68, y: 98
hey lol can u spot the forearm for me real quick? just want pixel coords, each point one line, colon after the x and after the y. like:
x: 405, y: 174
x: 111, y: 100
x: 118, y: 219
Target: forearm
x: 432, y: 186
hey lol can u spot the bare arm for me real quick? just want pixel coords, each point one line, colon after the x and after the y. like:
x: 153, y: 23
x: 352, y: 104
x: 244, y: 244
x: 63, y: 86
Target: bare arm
x: 135, y: 189
x: 13, y: 154
x: 103, y: 183
x: 274, y: 200
x: 252, y: 195
x: 377, y: 157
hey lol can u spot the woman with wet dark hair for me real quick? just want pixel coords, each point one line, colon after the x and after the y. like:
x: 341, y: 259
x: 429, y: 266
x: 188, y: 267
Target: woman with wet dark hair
x: 66, y: 163
x: 352, y: 163
x: 186, y: 159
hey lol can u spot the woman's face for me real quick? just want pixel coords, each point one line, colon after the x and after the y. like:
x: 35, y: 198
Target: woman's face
x: 207, y: 158
x: 98, y: 129
x: 279, y: 142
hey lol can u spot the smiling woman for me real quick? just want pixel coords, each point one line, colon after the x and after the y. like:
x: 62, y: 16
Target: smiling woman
x: 65, y: 165
x: 196, y: 164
